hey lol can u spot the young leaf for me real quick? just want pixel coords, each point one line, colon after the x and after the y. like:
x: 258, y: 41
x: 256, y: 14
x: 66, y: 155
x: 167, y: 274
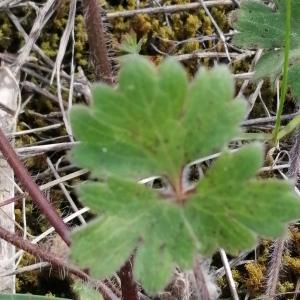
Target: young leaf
x: 230, y: 207
x: 260, y: 26
x: 154, y: 122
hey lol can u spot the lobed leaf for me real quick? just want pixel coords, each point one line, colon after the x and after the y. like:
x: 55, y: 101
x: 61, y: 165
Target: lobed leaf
x: 154, y: 122
x: 260, y: 26
x: 132, y: 215
x: 231, y: 208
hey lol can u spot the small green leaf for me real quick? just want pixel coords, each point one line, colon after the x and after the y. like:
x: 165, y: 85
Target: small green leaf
x: 154, y: 122
x: 266, y: 66
x: 86, y: 292
x: 230, y: 207
x: 130, y: 45
x: 260, y: 26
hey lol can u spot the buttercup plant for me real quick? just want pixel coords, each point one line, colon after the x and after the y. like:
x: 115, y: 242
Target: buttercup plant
x: 155, y: 123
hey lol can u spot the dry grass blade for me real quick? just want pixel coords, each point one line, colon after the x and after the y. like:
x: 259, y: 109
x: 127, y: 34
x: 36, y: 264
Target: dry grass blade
x: 60, y: 56
x: 229, y: 276
x: 200, y: 280
x: 43, y: 16
x: 166, y: 9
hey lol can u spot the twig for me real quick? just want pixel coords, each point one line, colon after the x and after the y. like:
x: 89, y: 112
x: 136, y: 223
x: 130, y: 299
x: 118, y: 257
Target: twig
x: 33, y: 150
x: 54, y: 261
x: 7, y: 109
x: 202, y: 54
x: 265, y: 120
x: 30, y: 86
x: 166, y: 9
x: 97, y: 41
x: 34, y: 130
x: 26, y: 269
x: 37, y: 196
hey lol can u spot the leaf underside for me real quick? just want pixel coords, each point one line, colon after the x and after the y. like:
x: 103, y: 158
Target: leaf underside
x: 262, y: 27
x: 154, y: 122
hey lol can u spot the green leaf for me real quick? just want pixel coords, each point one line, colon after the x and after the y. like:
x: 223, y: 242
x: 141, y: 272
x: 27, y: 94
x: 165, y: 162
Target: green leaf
x: 154, y: 122
x: 294, y: 73
x: 132, y: 215
x: 231, y: 208
x: 104, y: 244
x: 27, y: 297
x: 266, y: 67
x: 130, y: 44
x: 260, y: 26
x: 86, y: 292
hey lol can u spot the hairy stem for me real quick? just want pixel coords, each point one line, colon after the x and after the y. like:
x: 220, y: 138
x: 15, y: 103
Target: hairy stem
x: 55, y: 261
x: 32, y: 189
x: 97, y: 41
x: 128, y: 284
x: 274, y: 268
x: 283, y: 89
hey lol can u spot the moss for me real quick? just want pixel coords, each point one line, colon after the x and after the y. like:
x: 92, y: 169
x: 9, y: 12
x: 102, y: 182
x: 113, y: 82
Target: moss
x: 28, y: 280
x: 192, y: 25
x: 141, y: 24
x: 81, y: 41
x: 6, y: 32
x: 190, y: 47
x: 255, y: 277
x: 285, y: 287
x: 50, y: 46
x: 293, y: 263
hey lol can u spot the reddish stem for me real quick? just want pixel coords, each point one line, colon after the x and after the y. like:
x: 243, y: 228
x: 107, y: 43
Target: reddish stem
x: 14, y: 199
x: 97, y: 41
x: 55, y: 261
x: 32, y: 189
x: 128, y: 284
